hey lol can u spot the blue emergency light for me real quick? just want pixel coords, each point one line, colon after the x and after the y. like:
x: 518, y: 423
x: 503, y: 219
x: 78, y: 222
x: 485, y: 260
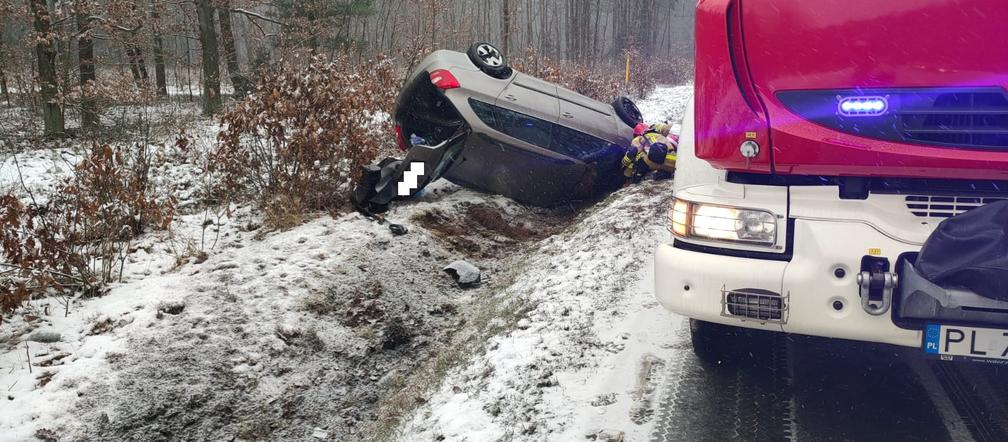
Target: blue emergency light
x: 863, y: 106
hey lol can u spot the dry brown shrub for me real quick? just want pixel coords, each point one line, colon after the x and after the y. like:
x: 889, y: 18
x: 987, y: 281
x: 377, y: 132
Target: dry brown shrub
x: 78, y: 240
x: 305, y: 132
x: 675, y: 70
x: 283, y: 212
x: 412, y: 53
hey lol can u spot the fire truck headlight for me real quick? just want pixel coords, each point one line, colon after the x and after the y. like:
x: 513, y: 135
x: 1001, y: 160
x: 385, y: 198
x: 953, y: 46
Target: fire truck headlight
x: 723, y: 223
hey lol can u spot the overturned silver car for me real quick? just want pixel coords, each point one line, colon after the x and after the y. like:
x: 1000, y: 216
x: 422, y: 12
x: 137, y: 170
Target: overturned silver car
x: 472, y: 119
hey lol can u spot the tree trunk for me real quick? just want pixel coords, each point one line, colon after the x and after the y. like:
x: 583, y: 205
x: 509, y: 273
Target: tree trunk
x: 86, y: 65
x: 530, y: 31
x: 142, y: 64
x: 52, y: 112
x: 138, y: 64
x: 384, y: 19
x: 433, y: 32
x: 3, y: 75
x: 506, y: 26
x: 595, y: 33
x: 188, y: 69
x: 227, y: 39
x: 3, y: 86
x: 134, y: 69
x: 160, y: 77
x: 211, y: 58
x: 241, y: 84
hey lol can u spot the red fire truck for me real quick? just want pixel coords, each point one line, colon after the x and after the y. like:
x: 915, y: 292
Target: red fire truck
x: 826, y: 142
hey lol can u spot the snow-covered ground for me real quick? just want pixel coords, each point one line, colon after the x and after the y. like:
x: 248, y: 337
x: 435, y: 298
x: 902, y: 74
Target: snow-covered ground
x: 322, y: 330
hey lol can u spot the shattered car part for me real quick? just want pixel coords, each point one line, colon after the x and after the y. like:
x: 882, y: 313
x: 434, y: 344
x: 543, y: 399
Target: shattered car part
x: 464, y: 273
x: 382, y: 183
x: 398, y: 229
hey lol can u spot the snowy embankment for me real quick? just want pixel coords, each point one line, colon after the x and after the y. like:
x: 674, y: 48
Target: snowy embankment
x: 315, y: 331
x: 276, y: 335
x: 587, y: 357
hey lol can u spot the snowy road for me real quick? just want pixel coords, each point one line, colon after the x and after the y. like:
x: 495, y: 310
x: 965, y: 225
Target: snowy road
x: 813, y: 389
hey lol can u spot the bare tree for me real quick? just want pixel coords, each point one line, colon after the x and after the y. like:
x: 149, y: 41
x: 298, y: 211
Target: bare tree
x: 45, y: 53
x: 506, y: 25
x: 3, y: 74
x: 212, y: 101
x: 86, y: 66
x: 242, y: 86
x: 160, y: 76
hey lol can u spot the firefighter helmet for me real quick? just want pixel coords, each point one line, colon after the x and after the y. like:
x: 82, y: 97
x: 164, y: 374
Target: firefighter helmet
x: 657, y: 153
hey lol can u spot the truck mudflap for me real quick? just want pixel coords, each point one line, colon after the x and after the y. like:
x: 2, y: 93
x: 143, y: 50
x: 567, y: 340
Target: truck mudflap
x: 920, y: 300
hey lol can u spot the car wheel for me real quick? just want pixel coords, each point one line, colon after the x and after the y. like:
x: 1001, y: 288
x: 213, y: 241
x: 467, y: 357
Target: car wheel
x: 628, y: 111
x: 489, y: 59
x: 713, y: 343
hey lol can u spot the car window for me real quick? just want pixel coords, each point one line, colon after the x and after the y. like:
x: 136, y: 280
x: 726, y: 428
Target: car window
x: 523, y: 127
x: 560, y: 139
x: 576, y: 144
x: 485, y: 112
x: 515, y: 124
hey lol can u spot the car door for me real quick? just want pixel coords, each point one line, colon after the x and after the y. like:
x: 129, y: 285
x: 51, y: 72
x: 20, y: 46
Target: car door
x: 583, y: 128
x: 531, y: 96
x: 584, y: 114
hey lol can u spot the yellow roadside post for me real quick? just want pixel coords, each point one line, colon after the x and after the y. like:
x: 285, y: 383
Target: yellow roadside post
x: 626, y: 79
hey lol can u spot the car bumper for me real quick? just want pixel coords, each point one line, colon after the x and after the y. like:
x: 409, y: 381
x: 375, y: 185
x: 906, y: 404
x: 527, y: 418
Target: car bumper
x: 691, y: 283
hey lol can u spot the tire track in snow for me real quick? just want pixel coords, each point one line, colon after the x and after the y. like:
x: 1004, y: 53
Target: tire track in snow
x: 741, y: 399
x: 786, y: 387
x: 966, y: 393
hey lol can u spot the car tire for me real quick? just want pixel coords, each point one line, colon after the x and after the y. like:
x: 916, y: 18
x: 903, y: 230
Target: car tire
x: 713, y: 343
x: 490, y: 60
x: 627, y: 111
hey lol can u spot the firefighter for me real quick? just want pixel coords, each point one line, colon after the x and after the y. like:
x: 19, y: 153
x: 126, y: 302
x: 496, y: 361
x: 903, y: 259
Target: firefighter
x: 655, y: 133
x: 662, y: 128
x: 652, y: 150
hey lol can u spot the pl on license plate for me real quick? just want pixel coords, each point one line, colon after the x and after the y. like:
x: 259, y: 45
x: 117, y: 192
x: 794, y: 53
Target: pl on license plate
x: 953, y: 342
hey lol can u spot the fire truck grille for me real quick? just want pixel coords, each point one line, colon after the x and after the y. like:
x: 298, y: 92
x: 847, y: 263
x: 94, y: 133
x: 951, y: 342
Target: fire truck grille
x: 962, y: 118
x: 930, y: 206
x: 758, y: 305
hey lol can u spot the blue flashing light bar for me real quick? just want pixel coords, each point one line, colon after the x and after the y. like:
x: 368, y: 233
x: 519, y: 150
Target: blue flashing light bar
x: 863, y: 106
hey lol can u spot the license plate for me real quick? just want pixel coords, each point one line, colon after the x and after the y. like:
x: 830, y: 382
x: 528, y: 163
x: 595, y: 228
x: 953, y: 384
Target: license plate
x: 954, y: 342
